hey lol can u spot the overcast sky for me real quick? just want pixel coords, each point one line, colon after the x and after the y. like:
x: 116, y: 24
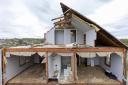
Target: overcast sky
x: 32, y: 18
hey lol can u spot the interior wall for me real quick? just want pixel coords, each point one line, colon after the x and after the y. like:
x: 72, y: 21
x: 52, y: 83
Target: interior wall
x: 50, y: 36
x: 116, y: 66
x: 79, y: 37
x: 93, y: 61
x: 90, y: 37
x: 59, y: 37
x: 54, y: 63
x: 102, y: 64
x: 67, y: 36
x: 13, y: 67
x: 50, y: 67
x: 97, y: 60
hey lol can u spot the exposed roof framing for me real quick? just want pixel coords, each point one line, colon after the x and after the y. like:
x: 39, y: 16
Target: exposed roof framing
x: 102, y: 31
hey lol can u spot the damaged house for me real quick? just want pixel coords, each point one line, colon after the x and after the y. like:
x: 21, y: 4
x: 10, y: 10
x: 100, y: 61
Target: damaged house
x: 76, y: 51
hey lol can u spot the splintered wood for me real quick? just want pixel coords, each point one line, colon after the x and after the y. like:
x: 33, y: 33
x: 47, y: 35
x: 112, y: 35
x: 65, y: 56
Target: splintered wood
x: 34, y: 74
x: 94, y: 75
x: 64, y: 21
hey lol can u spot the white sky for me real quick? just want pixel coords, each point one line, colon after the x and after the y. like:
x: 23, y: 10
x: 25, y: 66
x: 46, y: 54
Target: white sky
x: 32, y: 18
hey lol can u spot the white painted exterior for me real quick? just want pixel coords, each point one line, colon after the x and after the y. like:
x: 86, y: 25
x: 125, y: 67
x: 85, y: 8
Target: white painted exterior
x: 64, y: 36
x: 81, y: 28
x: 50, y: 36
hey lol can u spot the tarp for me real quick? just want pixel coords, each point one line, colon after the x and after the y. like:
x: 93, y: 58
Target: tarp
x: 100, y: 54
x: 41, y: 53
x: 19, y: 53
x: 87, y: 54
x: 27, y: 54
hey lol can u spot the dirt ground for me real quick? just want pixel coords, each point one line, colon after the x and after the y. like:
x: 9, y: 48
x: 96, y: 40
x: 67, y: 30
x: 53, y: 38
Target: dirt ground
x: 93, y: 75
x: 34, y: 74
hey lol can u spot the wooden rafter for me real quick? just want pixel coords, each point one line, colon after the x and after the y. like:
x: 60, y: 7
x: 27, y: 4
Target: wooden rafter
x: 57, y: 18
x: 108, y: 39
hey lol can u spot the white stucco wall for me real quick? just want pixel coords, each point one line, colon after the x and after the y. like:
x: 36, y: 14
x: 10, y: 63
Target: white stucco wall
x: 50, y: 36
x: 0, y: 68
x: 13, y: 67
x: 90, y: 37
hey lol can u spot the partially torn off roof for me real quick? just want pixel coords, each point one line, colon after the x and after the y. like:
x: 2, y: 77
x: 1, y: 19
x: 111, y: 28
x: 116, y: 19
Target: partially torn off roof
x: 102, y: 34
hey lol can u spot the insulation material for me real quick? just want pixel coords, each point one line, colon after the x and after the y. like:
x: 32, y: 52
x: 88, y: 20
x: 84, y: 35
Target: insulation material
x: 83, y: 54
x: 44, y: 60
x: 100, y: 54
x: 119, y: 53
x: 26, y: 53
x: 103, y: 54
x: 20, y: 53
x: 87, y: 54
x: 65, y: 54
x: 92, y: 54
x: 42, y: 53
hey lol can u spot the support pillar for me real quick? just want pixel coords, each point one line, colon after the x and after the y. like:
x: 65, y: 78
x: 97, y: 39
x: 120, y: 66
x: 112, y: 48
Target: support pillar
x: 46, y: 55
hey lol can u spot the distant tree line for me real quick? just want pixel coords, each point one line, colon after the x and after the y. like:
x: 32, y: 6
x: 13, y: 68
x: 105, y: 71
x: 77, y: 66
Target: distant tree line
x: 20, y: 42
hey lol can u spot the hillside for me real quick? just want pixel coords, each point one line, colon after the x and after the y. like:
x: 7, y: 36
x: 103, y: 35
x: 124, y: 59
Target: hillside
x: 20, y: 42
x: 125, y: 41
x: 30, y: 41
